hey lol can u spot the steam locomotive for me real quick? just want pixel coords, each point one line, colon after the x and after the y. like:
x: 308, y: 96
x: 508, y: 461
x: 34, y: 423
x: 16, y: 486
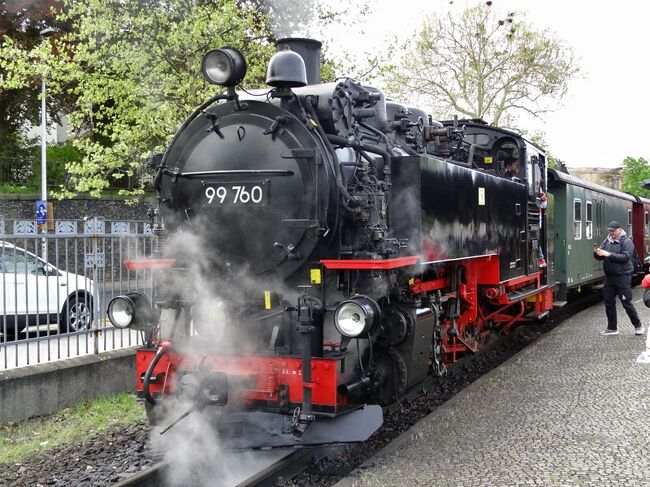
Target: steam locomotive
x: 324, y: 251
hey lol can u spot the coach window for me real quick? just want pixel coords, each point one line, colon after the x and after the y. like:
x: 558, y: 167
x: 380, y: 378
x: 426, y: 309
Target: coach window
x: 577, y: 219
x: 588, y: 222
x: 646, y: 226
x: 629, y: 222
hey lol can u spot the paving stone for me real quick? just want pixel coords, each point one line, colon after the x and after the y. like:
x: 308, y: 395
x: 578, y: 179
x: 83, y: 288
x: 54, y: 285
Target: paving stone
x: 571, y: 409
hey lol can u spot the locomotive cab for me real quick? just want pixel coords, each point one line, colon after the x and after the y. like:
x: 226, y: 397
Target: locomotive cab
x: 490, y: 147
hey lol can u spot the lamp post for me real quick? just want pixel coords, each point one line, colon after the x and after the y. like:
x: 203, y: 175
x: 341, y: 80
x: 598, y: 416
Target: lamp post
x: 48, y: 31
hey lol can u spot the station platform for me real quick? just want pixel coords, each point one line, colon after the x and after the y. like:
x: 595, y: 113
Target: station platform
x: 572, y: 409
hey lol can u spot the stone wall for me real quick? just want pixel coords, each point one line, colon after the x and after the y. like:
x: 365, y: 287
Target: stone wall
x: 42, y: 389
x: 22, y: 207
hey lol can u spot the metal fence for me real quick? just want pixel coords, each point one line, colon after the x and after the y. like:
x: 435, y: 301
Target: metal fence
x: 55, y: 286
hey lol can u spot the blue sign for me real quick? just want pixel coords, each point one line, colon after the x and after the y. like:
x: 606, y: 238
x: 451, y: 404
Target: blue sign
x: 41, y: 212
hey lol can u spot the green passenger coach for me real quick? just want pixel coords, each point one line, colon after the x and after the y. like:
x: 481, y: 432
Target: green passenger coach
x: 581, y: 211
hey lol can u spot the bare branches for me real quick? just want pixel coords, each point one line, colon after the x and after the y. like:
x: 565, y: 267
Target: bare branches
x: 483, y: 66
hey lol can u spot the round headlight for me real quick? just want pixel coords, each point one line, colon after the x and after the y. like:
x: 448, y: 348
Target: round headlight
x: 120, y: 311
x: 132, y: 310
x: 225, y: 66
x: 356, y: 316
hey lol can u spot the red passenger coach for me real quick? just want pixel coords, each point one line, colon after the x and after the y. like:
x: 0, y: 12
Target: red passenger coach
x: 641, y: 228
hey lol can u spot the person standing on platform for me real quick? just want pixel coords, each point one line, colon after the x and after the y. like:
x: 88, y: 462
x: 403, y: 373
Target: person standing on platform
x: 617, y: 253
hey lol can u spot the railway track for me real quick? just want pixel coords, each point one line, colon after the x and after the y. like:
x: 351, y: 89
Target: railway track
x: 325, y: 464
x: 149, y: 477
x: 281, y: 466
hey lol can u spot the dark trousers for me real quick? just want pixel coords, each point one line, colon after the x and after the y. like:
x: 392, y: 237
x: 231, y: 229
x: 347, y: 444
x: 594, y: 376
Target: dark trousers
x: 620, y: 286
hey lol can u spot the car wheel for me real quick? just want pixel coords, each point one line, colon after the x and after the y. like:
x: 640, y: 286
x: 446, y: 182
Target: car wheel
x: 77, y: 314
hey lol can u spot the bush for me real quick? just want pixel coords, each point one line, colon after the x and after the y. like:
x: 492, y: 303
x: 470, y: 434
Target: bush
x: 15, y: 159
x: 58, y: 157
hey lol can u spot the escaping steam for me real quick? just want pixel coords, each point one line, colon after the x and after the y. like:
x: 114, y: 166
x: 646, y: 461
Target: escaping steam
x: 194, y: 456
x: 291, y: 18
x: 216, y: 294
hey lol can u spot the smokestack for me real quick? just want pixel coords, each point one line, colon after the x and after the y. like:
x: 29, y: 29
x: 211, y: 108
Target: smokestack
x: 309, y: 50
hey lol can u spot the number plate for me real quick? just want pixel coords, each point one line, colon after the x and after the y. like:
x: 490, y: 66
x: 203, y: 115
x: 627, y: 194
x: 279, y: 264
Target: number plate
x: 244, y: 194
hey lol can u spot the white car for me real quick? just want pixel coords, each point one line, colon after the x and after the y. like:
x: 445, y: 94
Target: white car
x: 36, y: 296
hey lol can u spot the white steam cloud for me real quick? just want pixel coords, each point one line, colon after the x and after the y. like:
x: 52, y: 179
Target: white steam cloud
x: 192, y: 447
x: 291, y: 18
x: 194, y: 456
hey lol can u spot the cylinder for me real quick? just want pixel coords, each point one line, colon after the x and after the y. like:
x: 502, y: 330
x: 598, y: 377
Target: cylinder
x: 309, y: 50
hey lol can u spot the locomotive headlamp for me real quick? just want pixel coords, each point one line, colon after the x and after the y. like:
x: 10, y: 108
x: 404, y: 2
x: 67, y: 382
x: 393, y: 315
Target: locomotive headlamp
x: 120, y: 311
x: 356, y: 316
x: 132, y: 310
x: 225, y: 66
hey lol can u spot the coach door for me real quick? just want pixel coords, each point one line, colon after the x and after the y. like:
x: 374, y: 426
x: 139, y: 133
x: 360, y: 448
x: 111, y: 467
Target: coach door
x: 536, y: 183
x: 598, y: 225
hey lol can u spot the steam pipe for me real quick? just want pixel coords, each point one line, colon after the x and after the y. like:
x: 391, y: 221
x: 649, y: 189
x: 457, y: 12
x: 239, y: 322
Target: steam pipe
x: 387, y: 141
x: 147, y: 376
x: 306, y: 326
x: 356, y: 145
x: 470, y: 156
x: 330, y: 148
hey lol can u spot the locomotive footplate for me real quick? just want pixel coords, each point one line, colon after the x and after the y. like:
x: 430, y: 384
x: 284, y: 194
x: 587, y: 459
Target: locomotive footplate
x: 264, y: 430
x: 521, y: 294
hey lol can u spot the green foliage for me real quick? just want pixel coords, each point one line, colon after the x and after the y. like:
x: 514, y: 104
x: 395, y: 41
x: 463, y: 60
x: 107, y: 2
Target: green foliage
x: 635, y: 171
x: 145, y: 60
x: 58, y: 158
x: 134, y: 71
x: 20, y: 25
x: 10, y: 188
x: 481, y: 65
x: 15, y: 156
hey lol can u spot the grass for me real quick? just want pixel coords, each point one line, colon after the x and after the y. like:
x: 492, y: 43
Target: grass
x: 23, y: 439
x: 15, y: 189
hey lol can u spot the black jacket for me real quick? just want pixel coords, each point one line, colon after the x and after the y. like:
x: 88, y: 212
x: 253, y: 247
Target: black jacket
x: 621, y: 259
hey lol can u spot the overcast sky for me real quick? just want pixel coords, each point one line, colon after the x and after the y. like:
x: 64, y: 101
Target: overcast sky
x: 605, y: 116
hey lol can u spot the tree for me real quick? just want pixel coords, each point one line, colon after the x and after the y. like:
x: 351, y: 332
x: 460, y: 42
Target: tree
x: 479, y: 65
x: 19, y: 106
x: 635, y: 171
x: 134, y: 70
x: 22, y: 22
x: 136, y: 74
